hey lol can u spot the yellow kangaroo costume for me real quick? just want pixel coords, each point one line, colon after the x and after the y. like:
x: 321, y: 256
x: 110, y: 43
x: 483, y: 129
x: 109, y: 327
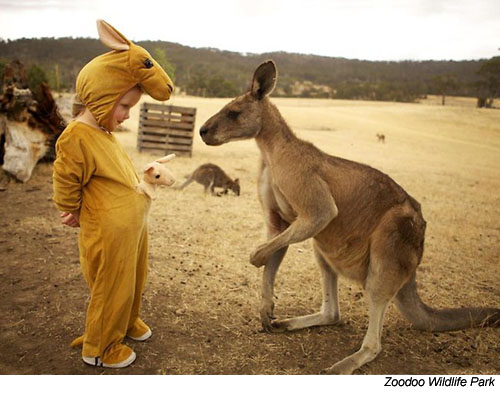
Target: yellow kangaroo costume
x: 94, y: 176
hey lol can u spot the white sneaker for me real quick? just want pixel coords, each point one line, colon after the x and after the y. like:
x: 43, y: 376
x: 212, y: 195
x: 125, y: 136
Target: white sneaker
x: 96, y: 361
x: 142, y: 338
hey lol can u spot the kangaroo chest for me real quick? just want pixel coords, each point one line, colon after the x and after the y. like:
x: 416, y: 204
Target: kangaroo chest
x: 286, y: 211
x: 274, y: 199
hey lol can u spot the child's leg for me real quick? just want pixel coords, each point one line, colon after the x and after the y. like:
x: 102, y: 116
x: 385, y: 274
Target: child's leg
x: 109, y: 265
x: 137, y: 329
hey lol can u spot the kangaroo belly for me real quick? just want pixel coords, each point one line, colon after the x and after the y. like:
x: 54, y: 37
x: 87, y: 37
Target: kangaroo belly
x: 347, y: 257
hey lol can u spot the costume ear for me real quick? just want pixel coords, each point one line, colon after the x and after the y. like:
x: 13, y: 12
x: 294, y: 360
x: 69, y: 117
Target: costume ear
x: 264, y: 79
x: 166, y: 159
x: 111, y: 37
x: 148, y: 168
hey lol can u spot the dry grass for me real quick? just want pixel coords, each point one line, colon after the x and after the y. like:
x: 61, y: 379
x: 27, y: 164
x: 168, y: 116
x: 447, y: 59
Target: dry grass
x: 202, y: 298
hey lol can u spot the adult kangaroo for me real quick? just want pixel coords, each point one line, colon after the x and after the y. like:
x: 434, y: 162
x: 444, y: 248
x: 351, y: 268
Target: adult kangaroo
x: 364, y: 226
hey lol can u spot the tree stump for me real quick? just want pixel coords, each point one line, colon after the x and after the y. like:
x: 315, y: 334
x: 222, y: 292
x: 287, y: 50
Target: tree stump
x: 30, y: 123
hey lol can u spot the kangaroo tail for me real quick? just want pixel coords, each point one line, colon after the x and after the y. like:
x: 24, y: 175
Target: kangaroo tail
x: 186, y: 183
x: 424, y: 317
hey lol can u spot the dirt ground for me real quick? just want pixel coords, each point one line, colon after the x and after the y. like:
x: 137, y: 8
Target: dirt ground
x: 202, y: 296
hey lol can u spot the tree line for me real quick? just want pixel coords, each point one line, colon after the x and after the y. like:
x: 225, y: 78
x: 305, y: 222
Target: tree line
x: 211, y: 72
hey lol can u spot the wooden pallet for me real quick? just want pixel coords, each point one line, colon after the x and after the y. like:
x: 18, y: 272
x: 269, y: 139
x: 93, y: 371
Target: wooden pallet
x: 166, y: 129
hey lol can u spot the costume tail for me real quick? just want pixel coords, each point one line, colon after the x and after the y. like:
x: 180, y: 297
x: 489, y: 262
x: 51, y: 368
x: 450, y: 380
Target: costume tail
x: 78, y: 341
x: 424, y: 317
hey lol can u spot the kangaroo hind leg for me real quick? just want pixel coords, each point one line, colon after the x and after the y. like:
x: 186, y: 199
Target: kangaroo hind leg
x: 392, y: 262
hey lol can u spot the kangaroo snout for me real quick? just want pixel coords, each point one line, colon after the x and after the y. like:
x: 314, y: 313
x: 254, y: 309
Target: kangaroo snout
x: 208, y: 136
x: 205, y: 135
x: 203, y: 131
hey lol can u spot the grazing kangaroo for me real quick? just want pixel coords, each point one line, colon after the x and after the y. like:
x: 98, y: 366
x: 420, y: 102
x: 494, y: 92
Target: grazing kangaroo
x: 212, y: 176
x: 364, y: 226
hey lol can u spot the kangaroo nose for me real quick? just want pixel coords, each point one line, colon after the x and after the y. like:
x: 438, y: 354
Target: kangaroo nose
x: 203, y: 131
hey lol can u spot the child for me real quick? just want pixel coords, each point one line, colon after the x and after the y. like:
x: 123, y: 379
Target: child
x: 94, y: 188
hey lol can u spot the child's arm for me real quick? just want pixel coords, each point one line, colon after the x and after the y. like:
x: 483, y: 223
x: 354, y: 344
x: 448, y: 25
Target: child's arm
x: 73, y: 168
x: 70, y: 219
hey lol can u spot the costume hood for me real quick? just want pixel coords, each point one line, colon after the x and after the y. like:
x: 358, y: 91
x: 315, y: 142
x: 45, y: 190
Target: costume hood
x: 102, y: 81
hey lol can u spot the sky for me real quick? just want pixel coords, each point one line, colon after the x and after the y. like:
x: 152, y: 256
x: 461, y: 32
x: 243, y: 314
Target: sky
x: 353, y: 29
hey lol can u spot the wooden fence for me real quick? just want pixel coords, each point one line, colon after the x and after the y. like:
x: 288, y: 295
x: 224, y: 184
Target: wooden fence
x: 168, y: 129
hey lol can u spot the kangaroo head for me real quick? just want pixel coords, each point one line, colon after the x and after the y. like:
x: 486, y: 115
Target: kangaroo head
x: 155, y: 173
x: 242, y: 118
x: 236, y: 187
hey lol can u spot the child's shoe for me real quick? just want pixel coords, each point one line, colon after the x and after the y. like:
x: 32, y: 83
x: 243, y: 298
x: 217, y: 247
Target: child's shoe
x: 139, y: 331
x: 118, y: 356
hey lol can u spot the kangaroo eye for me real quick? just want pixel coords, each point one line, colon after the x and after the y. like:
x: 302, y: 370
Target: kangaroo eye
x: 157, y: 176
x: 148, y: 64
x: 233, y: 114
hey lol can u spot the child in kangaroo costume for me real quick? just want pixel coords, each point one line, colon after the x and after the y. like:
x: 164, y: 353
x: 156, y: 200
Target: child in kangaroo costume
x: 96, y: 187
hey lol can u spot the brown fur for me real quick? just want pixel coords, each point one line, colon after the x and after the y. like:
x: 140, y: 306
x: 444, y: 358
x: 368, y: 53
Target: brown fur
x: 364, y: 226
x: 212, y: 176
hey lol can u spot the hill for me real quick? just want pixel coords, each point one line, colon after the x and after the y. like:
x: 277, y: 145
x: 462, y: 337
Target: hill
x: 217, y: 73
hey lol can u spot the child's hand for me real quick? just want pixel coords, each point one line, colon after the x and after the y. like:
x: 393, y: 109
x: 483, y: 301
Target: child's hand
x: 72, y: 220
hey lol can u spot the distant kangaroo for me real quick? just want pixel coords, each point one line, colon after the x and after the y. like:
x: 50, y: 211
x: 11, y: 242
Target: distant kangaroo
x: 212, y: 176
x: 364, y: 226
x: 381, y: 137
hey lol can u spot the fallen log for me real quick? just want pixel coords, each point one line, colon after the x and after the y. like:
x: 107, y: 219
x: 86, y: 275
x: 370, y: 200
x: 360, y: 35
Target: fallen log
x: 30, y: 123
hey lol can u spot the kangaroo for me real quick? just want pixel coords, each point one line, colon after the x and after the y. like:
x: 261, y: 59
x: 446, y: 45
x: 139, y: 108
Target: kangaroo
x: 381, y: 138
x: 156, y: 174
x: 212, y: 176
x: 364, y: 226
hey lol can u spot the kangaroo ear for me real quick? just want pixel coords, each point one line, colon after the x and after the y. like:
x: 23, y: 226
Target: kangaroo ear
x: 111, y: 37
x: 148, y: 168
x: 165, y: 159
x: 264, y: 79
x: 236, y: 180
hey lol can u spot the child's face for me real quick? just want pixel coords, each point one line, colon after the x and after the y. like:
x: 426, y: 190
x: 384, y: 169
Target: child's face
x: 128, y: 100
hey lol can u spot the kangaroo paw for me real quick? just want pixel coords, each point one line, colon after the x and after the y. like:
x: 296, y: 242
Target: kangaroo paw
x: 259, y: 257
